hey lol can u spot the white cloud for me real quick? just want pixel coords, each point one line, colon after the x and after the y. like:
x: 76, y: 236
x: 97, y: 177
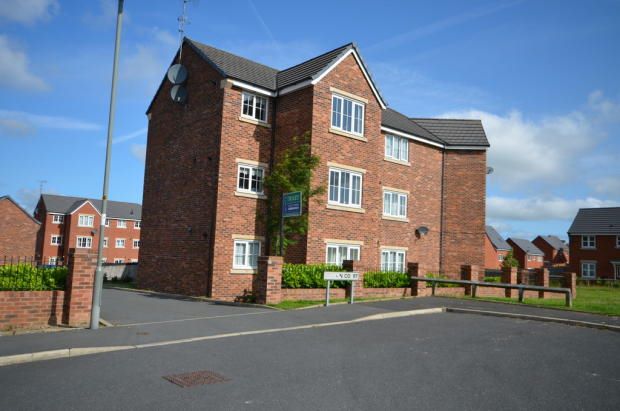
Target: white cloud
x: 609, y: 186
x: 20, y: 123
x: 27, y: 198
x: 106, y: 15
x: 540, y: 208
x: 165, y: 37
x: 14, y: 70
x: 139, y: 151
x: 28, y: 11
x: 130, y: 136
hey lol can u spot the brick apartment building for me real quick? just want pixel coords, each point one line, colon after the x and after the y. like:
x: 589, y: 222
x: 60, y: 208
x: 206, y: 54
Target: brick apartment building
x: 73, y: 222
x: 495, y: 249
x: 526, y: 253
x: 594, y: 242
x: 556, y: 250
x: 18, y: 231
x: 398, y: 189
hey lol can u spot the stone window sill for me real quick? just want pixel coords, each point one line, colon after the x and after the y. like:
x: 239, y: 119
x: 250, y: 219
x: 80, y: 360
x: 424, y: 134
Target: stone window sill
x: 345, y: 208
x: 250, y: 195
x: 243, y: 271
x: 254, y: 121
x: 402, y: 163
x: 349, y: 135
x: 399, y: 219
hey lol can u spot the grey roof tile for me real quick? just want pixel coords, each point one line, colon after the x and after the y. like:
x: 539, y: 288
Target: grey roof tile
x: 498, y: 242
x: 455, y: 132
x: 116, y: 209
x: 554, y: 242
x: 394, y: 119
x: 311, y: 68
x: 526, y: 246
x: 596, y: 221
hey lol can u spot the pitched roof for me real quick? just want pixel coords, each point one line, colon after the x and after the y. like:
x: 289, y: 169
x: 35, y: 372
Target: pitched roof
x: 498, y: 242
x: 9, y: 198
x: 526, y: 246
x: 394, y: 119
x: 310, y: 69
x: 116, y: 209
x: 554, y: 242
x: 596, y: 221
x: 455, y: 132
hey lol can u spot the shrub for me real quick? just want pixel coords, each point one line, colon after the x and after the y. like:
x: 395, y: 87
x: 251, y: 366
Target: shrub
x: 440, y: 285
x: 493, y: 279
x: 386, y: 279
x: 510, y: 260
x: 308, y: 276
x: 25, y: 277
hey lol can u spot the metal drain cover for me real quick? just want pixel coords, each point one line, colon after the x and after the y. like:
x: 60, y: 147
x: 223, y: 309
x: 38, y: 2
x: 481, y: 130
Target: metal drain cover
x: 192, y: 379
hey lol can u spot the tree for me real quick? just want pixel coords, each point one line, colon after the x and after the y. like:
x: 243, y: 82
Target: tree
x: 510, y: 261
x: 292, y: 172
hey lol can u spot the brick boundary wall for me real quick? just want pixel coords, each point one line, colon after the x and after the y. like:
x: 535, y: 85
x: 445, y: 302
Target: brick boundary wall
x: 38, y: 309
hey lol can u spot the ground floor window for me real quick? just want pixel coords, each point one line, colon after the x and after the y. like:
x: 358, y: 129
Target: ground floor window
x: 336, y: 253
x: 393, y: 260
x: 246, y: 254
x: 588, y: 269
x: 500, y: 257
x: 52, y: 260
x: 119, y: 261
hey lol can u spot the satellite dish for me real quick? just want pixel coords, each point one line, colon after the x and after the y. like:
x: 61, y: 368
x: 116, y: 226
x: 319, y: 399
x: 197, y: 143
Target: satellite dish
x: 179, y: 94
x: 422, y: 230
x: 490, y: 170
x: 177, y: 74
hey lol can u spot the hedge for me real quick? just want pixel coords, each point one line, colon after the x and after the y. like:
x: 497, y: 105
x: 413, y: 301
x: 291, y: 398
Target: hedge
x: 309, y: 276
x: 493, y: 279
x: 443, y: 277
x: 25, y: 277
x: 386, y: 279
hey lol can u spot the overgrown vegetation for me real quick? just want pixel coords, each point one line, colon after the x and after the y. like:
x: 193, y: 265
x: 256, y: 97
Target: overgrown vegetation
x: 386, y: 279
x: 292, y: 172
x: 308, y: 276
x: 26, y: 277
x: 510, y: 260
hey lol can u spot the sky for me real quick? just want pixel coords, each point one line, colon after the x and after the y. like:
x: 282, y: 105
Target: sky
x: 542, y: 77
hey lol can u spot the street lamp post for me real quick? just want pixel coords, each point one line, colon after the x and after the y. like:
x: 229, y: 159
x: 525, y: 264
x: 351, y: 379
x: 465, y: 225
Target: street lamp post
x: 98, y: 285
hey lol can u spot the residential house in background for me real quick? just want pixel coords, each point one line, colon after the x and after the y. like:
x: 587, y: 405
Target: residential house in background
x: 556, y: 250
x: 495, y: 249
x: 594, y: 241
x: 73, y: 222
x: 396, y: 189
x: 18, y: 231
x: 527, y: 254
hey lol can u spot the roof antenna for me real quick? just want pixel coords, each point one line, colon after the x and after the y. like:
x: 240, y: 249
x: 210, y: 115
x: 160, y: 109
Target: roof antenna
x: 177, y: 73
x: 183, y: 20
x: 41, y: 182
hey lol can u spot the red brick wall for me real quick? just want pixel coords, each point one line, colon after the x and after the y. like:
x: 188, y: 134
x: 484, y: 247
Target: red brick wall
x: 604, y: 254
x: 180, y: 184
x: 491, y: 255
x: 464, y: 210
x: 552, y: 255
x: 521, y: 257
x: 18, y: 232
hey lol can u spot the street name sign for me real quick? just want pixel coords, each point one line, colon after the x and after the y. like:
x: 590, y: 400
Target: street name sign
x: 341, y: 276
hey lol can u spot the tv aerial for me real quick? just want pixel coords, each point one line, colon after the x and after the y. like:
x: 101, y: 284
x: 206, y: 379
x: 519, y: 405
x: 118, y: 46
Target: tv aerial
x: 177, y: 73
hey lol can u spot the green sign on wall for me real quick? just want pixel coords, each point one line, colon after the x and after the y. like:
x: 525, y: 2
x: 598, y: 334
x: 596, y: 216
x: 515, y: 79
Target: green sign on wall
x: 291, y: 204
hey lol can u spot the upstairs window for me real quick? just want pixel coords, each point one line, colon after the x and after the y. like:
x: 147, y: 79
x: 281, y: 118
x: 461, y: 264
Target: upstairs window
x: 254, y: 107
x: 336, y: 253
x: 58, y: 219
x: 107, y: 222
x: 86, y: 220
x: 347, y: 115
x: 394, y: 204
x: 121, y: 224
x: 345, y: 188
x: 393, y: 260
x: 136, y: 243
x: 84, y: 242
x: 120, y: 243
x: 246, y: 254
x: 250, y: 179
x: 397, y: 148
x: 618, y: 241
x: 105, y: 242
x: 56, y: 239
x: 137, y: 225
x: 588, y: 241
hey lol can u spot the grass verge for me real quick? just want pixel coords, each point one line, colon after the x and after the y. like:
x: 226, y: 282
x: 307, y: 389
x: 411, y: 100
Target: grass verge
x: 293, y: 305
x: 591, y: 299
x: 119, y: 284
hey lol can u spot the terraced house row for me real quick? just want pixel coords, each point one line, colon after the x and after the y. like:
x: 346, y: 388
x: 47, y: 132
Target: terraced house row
x: 398, y: 189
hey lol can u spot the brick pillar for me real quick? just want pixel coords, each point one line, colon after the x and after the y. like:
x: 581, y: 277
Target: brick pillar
x: 350, y: 265
x: 267, y: 284
x: 509, y: 276
x: 79, y: 287
x: 471, y: 273
x: 569, y: 280
x: 542, y: 279
x: 418, y: 288
x: 523, y: 277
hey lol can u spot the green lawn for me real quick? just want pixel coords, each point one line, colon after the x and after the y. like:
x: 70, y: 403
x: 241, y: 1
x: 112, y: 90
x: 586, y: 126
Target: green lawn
x: 592, y: 299
x: 292, y: 305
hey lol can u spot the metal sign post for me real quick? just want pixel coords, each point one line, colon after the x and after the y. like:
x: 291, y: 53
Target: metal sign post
x: 291, y: 207
x: 330, y: 276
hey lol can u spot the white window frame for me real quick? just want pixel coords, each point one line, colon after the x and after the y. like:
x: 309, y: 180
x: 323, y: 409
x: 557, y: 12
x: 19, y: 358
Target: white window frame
x: 403, y: 149
x: 246, y: 264
x: 393, y: 264
x: 116, y: 243
x: 339, y: 125
x: 252, y: 173
x: 90, y: 220
x: 58, y: 239
x: 52, y: 260
x: 338, y: 250
x: 338, y: 189
x: 58, y: 219
x: 107, y: 222
x: 119, y: 261
x: 121, y: 223
x: 400, y: 213
x: 500, y: 257
x: 586, y: 240
x: 529, y: 257
x: 137, y: 225
x: 618, y: 241
x: 588, y: 263
x: 88, y: 241
x: 105, y: 242
x: 252, y: 115
x: 134, y: 246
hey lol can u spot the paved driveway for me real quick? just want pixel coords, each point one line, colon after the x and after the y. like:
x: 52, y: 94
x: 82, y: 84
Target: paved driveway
x: 124, y: 307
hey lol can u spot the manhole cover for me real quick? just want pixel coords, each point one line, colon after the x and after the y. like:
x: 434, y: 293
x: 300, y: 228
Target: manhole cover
x: 191, y: 379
